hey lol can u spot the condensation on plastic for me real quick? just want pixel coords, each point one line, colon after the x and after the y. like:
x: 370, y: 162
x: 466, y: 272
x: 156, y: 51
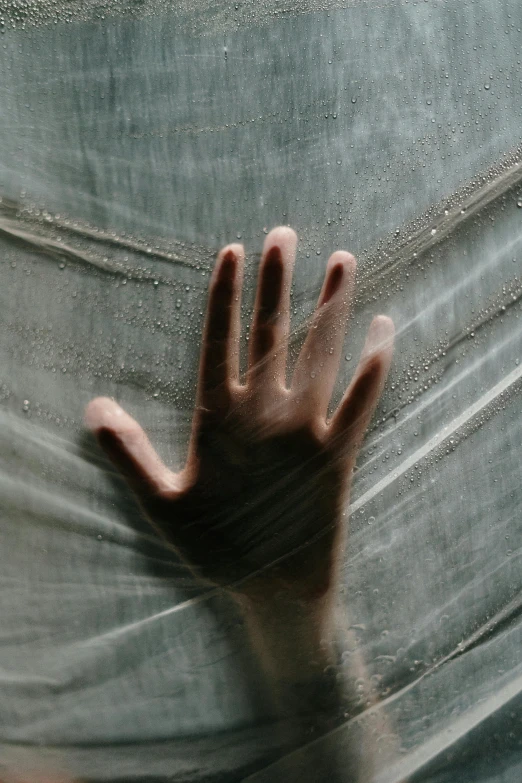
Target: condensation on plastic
x: 135, y: 141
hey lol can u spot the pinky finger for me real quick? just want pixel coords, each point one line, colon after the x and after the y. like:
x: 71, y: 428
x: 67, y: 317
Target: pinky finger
x: 349, y: 423
x: 127, y: 446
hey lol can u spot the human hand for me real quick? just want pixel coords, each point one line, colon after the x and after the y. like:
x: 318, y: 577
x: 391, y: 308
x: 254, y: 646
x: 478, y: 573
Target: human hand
x: 258, y: 506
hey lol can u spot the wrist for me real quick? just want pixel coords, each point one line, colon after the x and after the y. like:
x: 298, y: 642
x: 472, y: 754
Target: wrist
x: 298, y: 645
x: 298, y: 635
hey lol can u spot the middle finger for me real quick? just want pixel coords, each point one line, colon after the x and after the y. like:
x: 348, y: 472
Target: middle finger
x: 271, y: 322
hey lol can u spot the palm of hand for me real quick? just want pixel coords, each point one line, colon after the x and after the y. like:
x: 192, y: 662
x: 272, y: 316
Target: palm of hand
x: 258, y: 505
x: 259, y: 493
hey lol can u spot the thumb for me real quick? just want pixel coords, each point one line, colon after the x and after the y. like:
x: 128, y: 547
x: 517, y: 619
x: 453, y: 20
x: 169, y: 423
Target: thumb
x: 351, y: 420
x: 127, y: 446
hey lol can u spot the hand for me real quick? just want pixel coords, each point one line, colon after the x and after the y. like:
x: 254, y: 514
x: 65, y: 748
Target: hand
x: 258, y: 507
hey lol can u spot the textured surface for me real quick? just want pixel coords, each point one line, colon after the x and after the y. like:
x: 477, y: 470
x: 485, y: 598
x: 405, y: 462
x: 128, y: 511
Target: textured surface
x: 134, y: 145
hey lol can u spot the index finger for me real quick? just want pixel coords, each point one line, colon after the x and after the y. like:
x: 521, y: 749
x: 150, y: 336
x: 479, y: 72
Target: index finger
x: 220, y: 345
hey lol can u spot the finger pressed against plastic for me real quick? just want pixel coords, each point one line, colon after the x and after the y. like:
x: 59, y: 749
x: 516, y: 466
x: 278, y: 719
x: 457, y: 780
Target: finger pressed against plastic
x: 316, y: 368
x: 271, y: 319
x: 350, y: 422
x: 235, y: 313
x: 220, y: 346
x: 127, y: 446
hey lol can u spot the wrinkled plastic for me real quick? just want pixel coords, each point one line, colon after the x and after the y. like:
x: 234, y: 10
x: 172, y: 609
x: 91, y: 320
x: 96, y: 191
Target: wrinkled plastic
x: 135, y: 142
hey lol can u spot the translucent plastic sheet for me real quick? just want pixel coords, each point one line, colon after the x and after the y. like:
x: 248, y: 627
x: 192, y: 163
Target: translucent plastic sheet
x: 135, y: 141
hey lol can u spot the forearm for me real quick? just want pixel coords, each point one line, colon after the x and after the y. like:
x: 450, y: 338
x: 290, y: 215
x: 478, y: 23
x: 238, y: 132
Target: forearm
x: 300, y: 648
x: 298, y: 645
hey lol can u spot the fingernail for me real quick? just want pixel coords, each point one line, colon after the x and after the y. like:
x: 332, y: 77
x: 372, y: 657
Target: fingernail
x: 273, y: 258
x: 271, y: 283
x: 229, y: 256
x: 334, y: 281
x: 228, y: 265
